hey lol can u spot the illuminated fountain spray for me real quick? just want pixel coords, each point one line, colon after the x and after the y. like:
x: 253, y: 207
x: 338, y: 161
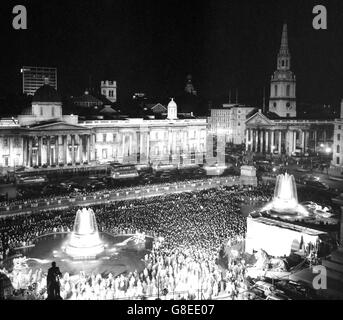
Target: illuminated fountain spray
x: 84, y: 241
x: 285, y: 200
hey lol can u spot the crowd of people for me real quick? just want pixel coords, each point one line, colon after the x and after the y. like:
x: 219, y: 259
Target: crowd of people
x: 192, y: 226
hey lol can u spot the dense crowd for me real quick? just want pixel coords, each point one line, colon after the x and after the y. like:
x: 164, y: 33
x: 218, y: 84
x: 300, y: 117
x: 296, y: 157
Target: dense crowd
x: 193, y: 226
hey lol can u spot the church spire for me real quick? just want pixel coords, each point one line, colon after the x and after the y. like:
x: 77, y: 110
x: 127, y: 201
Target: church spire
x: 284, y: 56
x: 284, y: 41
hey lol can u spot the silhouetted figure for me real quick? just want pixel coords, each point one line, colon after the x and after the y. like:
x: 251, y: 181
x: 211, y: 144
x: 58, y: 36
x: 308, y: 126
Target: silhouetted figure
x: 53, y: 282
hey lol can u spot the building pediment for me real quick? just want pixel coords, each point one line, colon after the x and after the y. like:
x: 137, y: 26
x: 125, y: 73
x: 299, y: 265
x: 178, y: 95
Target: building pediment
x: 56, y: 126
x: 259, y: 119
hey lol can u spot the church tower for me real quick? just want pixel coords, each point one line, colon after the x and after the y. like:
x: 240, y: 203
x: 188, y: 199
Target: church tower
x: 283, y: 82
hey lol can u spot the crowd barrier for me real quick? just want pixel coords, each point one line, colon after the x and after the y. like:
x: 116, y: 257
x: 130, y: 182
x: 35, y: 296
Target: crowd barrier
x: 41, y: 204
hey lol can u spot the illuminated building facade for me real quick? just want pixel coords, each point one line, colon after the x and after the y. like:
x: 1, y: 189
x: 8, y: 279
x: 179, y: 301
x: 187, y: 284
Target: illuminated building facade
x: 43, y: 137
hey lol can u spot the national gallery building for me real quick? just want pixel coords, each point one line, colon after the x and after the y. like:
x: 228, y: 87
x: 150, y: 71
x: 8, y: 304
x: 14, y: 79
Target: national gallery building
x: 43, y: 137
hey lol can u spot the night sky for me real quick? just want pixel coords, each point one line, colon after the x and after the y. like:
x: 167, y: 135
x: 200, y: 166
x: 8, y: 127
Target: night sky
x: 150, y: 46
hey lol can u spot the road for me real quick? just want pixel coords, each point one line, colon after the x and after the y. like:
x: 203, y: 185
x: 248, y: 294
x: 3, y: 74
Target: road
x: 116, y: 195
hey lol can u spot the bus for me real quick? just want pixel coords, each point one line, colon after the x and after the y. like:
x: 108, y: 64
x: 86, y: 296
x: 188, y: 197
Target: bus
x: 28, y: 180
x: 123, y: 171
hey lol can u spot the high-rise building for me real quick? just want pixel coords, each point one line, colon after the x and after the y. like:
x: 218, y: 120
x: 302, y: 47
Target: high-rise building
x: 283, y: 83
x: 109, y: 90
x: 35, y: 77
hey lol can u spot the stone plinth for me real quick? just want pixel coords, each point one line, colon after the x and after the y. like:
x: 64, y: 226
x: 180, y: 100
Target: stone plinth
x: 248, y: 175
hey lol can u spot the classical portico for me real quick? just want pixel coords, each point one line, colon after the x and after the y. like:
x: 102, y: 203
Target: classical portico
x: 56, y: 144
x: 287, y: 136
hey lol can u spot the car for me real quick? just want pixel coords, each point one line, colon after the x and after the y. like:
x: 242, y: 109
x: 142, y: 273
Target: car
x: 310, y: 177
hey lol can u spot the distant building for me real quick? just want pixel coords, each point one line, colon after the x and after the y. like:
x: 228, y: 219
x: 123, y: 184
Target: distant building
x: 189, y: 88
x: 34, y: 77
x: 87, y: 101
x: 337, y: 158
x: 279, y: 131
x: 229, y: 120
x: 109, y: 90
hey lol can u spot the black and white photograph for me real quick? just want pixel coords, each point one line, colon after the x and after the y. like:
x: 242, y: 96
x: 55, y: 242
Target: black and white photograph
x: 180, y: 151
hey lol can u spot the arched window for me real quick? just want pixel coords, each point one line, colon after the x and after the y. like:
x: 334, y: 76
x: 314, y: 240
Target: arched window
x: 275, y: 90
x: 288, y: 90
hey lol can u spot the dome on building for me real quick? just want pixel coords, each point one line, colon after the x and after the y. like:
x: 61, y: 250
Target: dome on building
x: 46, y: 93
x: 172, y: 104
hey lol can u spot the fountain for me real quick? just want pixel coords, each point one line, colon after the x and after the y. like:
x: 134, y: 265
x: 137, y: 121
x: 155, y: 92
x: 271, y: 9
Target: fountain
x: 85, y: 242
x: 285, y: 200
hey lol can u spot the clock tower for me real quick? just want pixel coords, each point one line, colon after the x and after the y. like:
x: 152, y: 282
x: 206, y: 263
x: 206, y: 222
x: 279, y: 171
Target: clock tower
x: 283, y: 82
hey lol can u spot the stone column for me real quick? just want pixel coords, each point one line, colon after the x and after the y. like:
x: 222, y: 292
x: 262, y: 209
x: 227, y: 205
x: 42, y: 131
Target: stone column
x: 138, y: 147
x: 315, y: 140
x: 65, y: 149
x: 294, y: 140
x: 280, y: 132
x: 256, y: 141
x: 48, y: 150
x: 80, y: 148
x: 73, y: 149
x: 246, y: 139
x: 303, y: 141
x: 289, y: 141
x: 262, y: 139
x: 30, y: 151
x: 39, y: 151
x: 266, y: 149
x: 88, y: 151
x: 56, y: 150
x: 272, y: 141
x: 24, y: 151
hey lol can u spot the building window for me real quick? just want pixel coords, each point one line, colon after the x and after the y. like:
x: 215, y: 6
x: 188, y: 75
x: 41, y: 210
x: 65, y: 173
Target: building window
x: 275, y: 90
x: 287, y: 115
x: 338, y: 149
x: 339, y: 127
x: 337, y: 160
x: 239, y: 124
x: 104, y: 92
x: 104, y: 137
x: 114, y: 137
x: 6, y: 161
x: 288, y: 90
x: 5, y: 142
x: 16, y: 142
x: 104, y: 153
x: 274, y: 104
x: 338, y: 136
x: 110, y: 93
